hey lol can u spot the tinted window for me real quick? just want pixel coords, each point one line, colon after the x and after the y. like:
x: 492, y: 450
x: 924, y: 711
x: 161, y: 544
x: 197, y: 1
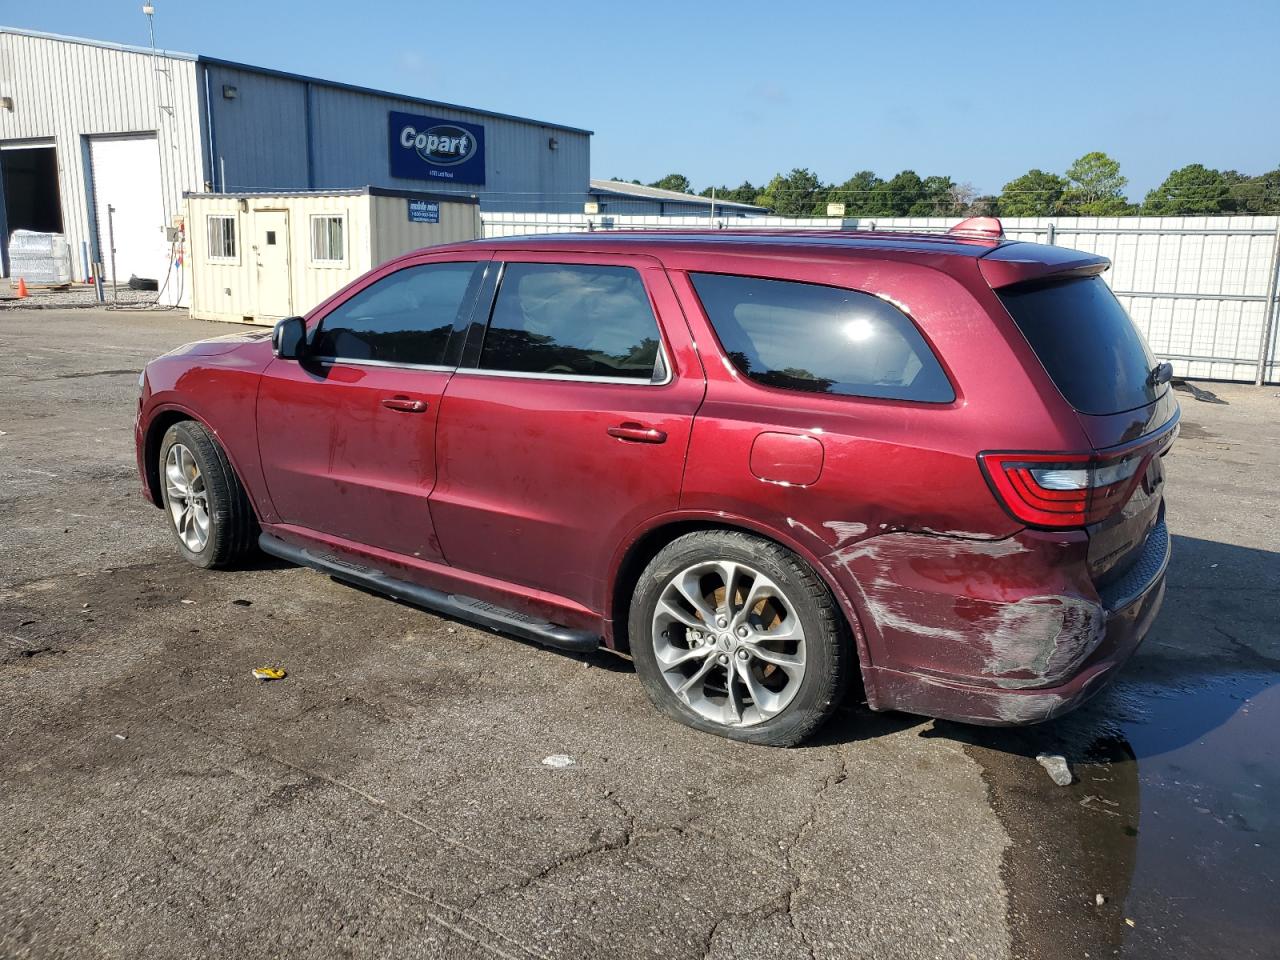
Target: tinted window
x: 405, y: 317
x: 801, y: 336
x: 572, y: 319
x: 1086, y: 342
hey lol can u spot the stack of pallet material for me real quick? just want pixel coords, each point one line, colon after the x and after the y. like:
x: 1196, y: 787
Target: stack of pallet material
x: 41, y: 259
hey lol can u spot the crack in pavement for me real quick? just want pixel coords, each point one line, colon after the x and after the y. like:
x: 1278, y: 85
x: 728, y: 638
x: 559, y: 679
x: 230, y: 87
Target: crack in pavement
x: 785, y: 903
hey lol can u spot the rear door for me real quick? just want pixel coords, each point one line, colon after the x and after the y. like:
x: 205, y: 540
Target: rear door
x: 347, y: 436
x: 567, y: 424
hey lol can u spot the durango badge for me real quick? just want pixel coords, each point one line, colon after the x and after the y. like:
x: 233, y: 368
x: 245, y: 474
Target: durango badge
x: 426, y: 148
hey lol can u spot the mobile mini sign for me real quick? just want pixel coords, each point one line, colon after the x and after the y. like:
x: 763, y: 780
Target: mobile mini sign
x: 424, y: 211
x: 428, y: 148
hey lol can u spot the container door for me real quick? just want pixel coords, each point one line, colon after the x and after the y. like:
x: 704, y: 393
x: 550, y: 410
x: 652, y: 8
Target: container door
x: 271, y: 256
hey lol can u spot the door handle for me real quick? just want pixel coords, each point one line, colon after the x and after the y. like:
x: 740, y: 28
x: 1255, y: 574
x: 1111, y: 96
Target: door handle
x: 404, y: 404
x: 637, y: 433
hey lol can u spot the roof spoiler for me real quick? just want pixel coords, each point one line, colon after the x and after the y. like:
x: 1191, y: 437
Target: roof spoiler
x: 1018, y: 262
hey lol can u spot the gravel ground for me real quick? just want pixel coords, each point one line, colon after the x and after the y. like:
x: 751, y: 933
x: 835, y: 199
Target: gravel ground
x: 389, y: 799
x: 75, y: 296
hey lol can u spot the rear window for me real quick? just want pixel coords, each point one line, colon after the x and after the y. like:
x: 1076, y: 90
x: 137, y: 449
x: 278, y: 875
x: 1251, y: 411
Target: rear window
x: 1086, y: 342
x: 803, y: 336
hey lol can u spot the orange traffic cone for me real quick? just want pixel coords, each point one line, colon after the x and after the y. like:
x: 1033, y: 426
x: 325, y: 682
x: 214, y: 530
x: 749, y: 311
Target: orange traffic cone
x: 22, y: 288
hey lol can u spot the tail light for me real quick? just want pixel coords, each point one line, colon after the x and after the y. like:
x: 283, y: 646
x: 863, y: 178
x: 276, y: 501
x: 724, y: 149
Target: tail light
x: 1062, y: 490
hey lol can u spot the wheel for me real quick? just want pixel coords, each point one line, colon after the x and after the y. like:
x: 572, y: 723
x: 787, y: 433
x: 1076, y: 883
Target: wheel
x: 734, y: 635
x: 208, y: 510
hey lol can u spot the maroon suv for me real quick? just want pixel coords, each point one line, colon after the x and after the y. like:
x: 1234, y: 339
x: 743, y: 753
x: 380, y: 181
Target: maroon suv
x: 759, y: 462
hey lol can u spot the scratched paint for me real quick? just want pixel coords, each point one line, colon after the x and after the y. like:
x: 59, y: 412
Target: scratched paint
x: 1043, y: 637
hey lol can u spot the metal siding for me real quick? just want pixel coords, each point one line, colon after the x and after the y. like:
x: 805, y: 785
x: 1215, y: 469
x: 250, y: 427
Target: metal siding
x: 394, y: 233
x: 521, y: 172
x: 66, y: 91
x: 262, y: 134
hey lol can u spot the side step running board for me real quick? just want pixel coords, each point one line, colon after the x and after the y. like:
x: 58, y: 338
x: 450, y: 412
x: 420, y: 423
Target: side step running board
x: 464, y: 608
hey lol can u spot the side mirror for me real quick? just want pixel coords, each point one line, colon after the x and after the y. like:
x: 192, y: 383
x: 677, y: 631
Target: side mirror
x: 1161, y: 373
x: 289, y: 338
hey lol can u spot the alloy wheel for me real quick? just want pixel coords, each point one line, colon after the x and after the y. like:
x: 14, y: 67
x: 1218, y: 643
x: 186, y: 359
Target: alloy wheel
x: 729, y: 643
x: 187, y: 497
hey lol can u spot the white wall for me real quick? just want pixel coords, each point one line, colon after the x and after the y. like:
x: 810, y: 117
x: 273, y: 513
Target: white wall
x: 1195, y: 286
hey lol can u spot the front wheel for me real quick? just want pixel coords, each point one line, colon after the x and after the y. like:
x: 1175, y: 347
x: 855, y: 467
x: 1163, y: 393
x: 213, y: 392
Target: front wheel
x: 208, y: 510
x: 735, y: 635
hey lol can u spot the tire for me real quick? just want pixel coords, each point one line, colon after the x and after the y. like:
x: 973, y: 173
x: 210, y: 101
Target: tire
x: 799, y: 683
x: 229, y: 530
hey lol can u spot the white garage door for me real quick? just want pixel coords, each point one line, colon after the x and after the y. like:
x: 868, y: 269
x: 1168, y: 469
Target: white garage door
x: 126, y: 176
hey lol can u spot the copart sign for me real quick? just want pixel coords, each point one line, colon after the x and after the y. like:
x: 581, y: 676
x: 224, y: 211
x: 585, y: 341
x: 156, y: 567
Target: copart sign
x: 428, y: 148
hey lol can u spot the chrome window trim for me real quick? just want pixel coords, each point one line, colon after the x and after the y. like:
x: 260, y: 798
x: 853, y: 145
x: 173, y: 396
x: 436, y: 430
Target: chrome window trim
x: 574, y: 377
x: 330, y: 361
x: 580, y: 377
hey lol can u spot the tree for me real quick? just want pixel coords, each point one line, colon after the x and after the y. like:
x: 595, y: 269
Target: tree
x: 674, y: 181
x: 1254, y: 194
x: 1193, y: 189
x: 1034, y: 194
x: 855, y: 193
x: 1095, y: 187
x: 896, y: 197
x: 936, y: 198
x: 798, y: 194
x: 746, y: 193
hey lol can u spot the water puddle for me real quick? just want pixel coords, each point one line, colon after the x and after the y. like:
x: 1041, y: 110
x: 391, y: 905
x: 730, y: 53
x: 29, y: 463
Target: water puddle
x: 1171, y: 821
x: 1205, y: 883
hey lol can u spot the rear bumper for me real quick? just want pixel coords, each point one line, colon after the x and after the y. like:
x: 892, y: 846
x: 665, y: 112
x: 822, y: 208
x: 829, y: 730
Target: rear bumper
x: 1130, y: 608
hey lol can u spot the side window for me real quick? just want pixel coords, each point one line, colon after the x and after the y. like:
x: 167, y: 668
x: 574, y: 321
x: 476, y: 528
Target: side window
x: 572, y: 319
x: 803, y: 336
x: 405, y: 317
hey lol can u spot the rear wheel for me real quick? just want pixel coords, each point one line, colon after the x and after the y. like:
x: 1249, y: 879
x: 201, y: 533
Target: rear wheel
x: 735, y: 635
x: 208, y: 510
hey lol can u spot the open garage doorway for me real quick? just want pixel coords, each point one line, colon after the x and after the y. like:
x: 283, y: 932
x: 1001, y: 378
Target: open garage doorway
x: 29, y: 173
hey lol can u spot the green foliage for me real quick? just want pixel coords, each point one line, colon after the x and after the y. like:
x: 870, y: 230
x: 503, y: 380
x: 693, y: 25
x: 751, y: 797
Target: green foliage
x: 799, y: 194
x: 674, y: 181
x: 1254, y: 195
x: 855, y: 193
x: 1092, y: 186
x: 1193, y: 189
x: 1034, y: 194
x: 1095, y: 187
x: 746, y: 193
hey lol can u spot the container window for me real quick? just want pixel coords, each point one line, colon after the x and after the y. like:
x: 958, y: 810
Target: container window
x: 222, y: 237
x: 328, y: 240
x: 404, y: 318
x: 818, y: 339
x: 1086, y: 342
x: 559, y: 319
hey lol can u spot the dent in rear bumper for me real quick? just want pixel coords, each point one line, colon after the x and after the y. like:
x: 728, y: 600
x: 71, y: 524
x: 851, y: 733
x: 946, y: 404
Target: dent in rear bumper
x: 936, y: 696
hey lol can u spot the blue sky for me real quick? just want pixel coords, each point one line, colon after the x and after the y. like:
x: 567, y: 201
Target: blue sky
x: 726, y: 91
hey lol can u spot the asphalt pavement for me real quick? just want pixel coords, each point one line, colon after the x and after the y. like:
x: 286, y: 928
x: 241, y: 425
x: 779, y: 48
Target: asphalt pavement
x: 389, y: 797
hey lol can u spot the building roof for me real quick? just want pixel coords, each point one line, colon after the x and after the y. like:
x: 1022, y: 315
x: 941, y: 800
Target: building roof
x: 636, y: 191
x: 267, y: 71
x: 370, y: 191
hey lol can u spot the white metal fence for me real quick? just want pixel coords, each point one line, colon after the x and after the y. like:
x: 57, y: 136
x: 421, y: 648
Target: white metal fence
x: 1203, y: 290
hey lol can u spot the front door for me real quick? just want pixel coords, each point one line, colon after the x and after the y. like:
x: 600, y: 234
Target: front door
x: 566, y: 426
x: 347, y: 436
x: 271, y: 255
